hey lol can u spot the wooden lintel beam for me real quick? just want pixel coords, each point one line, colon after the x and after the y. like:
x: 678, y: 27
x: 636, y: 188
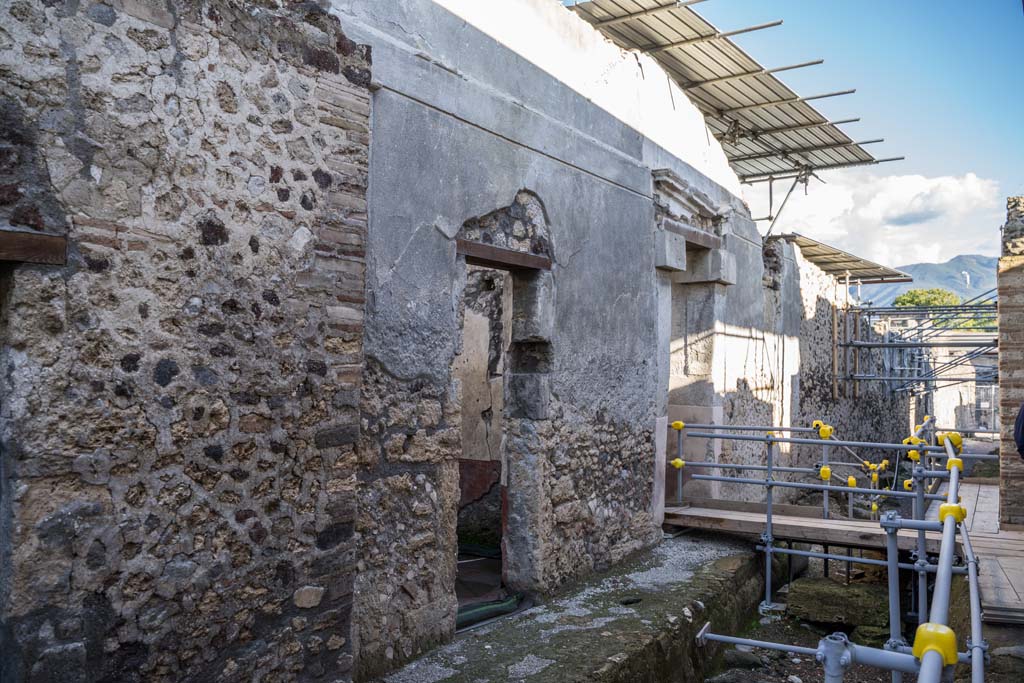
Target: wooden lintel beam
x: 31, y: 247
x: 488, y: 255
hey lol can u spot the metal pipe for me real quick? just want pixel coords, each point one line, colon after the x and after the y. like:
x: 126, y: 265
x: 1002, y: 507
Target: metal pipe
x: 813, y: 442
x: 944, y: 577
x: 679, y: 471
x: 645, y: 13
x: 811, y: 487
x: 931, y: 667
x: 768, y: 529
x: 803, y: 150
x: 730, y: 466
x: 976, y: 645
x: 653, y: 49
x: 883, y: 659
x: 916, y: 345
x: 749, y: 428
x: 825, y: 495
x: 764, y: 644
x: 922, y: 544
x: 858, y: 560
x: 747, y: 74
x: 892, y: 554
x: 786, y: 100
x: 752, y: 178
x: 757, y: 132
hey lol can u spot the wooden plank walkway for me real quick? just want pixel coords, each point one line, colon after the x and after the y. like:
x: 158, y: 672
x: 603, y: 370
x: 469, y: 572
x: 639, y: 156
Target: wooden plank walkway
x: 841, y: 532
x: 1000, y: 550
x: 1000, y: 554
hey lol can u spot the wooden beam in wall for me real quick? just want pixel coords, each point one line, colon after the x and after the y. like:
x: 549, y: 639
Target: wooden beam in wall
x: 490, y: 256
x: 30, y: 247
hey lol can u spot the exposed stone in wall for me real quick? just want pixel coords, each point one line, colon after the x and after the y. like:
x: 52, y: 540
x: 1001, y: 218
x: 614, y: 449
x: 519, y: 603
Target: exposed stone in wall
x: 180, y: 402
x: 781, y: 363
x: 520, y: 226
x: 578, y: 496
x: 1010, y: 283
x: 1013, y: 230
x: 578, y: 484
x: 408, y: 456
x: 874, y: 413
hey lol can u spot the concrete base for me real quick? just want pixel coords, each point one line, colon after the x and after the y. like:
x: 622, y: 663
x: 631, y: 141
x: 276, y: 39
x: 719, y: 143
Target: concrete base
x: 636, y: 623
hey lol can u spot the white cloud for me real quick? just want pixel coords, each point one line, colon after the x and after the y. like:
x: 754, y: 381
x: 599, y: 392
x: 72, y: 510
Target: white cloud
x: 894, y: 219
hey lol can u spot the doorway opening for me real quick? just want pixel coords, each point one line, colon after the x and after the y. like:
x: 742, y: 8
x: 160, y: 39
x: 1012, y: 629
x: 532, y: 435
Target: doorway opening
x: 480, y: 370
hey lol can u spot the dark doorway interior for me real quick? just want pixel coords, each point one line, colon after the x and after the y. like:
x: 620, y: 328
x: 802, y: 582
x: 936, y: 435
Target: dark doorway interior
x: 480, y: 371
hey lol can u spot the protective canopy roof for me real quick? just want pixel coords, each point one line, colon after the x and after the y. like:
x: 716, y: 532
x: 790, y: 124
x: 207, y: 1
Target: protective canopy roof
x: 765, y: 128
x: 838, y: 263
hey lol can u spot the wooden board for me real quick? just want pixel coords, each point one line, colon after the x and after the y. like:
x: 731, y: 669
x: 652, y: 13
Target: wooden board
x: 29, y: 247
x: 1000, y: 548
x: 851, y: 533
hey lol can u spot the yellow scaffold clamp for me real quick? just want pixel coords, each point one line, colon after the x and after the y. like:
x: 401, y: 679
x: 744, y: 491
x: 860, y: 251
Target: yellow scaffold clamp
x: 866, y: 464
x: 817, y: 424
x: 677, y: 463
x: 959, y: 512
x: 937, y: 637
x: 885, y: 464
x: 851, y: 481
x: 954, y: 438
x: 955, y: 462
x: 908, y: 484
x: 825, y: 473
x: 874, y: 477
x: 927, y: 417
x: 914, y: 455
x: 825, y: 431
x: 874, y: 507
x: 678, y: 425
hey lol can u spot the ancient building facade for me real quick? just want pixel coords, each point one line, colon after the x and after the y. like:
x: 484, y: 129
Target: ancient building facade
x: 320, y: 317
x: 1010, y: 283
x: 180, y: 399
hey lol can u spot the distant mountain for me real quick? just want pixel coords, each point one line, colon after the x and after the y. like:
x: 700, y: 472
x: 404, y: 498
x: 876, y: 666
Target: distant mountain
x: 948, y: 275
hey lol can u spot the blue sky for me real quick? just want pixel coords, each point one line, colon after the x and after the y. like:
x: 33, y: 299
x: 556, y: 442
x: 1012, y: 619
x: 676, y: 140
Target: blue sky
x: 941, y: 81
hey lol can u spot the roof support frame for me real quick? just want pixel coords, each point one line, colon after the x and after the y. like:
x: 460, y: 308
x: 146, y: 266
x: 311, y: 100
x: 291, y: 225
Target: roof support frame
x: 652, y: 49
x: 787, y: 100
x: 748, y: 74
x: 803, y: 150
x: 756, y: 133
x: 643, y: 13
x: 794, y: 172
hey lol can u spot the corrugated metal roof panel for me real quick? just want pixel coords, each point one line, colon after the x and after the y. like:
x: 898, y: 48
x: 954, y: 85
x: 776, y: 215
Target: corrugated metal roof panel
x: 838, y: 263
x: 746, y: 110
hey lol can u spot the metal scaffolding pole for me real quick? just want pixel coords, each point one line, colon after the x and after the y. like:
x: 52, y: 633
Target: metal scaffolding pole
x: 934, y: 650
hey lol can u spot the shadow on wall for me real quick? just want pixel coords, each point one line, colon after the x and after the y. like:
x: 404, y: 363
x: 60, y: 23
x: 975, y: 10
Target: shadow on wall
x: 741, y: 406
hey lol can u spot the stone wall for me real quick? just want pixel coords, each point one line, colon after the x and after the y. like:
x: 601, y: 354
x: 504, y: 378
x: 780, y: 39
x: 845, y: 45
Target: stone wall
x: 758, y: 350
x: 1010, y: 283
x: 181, y: 400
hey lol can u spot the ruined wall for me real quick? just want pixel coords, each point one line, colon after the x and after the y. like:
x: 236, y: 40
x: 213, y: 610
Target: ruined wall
x: 868, y: 413
x: 1010, y: 283
x: 762, y: 348
x: 500, y: 141
x: 180, y: 401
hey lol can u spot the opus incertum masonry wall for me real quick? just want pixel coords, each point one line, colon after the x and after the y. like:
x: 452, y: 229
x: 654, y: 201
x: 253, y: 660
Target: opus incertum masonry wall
x: 180, y: 400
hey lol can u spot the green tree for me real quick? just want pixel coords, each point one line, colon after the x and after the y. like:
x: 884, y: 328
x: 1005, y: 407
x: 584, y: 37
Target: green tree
x: 936, y: 296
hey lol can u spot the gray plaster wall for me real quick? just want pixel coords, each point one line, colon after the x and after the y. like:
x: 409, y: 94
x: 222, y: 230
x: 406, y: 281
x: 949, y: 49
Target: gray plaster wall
x: 461, y: 125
